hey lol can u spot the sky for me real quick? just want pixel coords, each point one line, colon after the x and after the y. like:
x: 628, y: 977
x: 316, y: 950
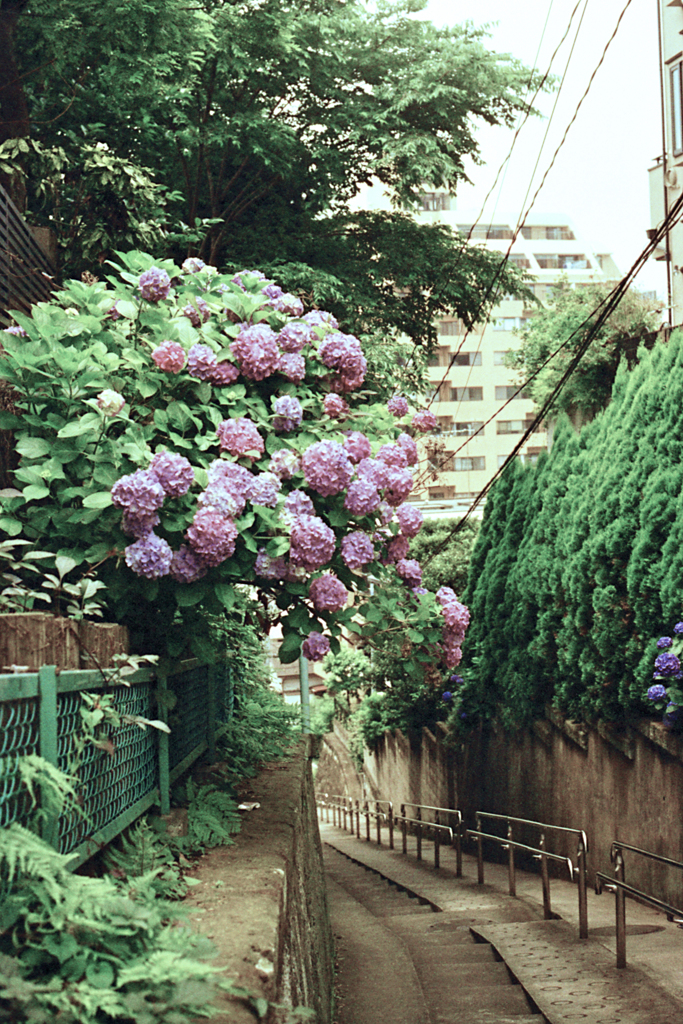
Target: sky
x: 600, y: 179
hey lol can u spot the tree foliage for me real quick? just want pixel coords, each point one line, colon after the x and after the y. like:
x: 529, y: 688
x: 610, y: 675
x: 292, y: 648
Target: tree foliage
x: 240, y: 132
x: 568, y: 318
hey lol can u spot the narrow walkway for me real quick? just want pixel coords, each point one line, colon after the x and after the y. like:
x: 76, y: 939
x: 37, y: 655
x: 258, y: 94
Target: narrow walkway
x: 419, y: 946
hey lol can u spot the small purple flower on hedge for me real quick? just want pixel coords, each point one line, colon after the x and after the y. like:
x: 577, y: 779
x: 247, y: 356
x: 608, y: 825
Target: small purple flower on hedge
x: 187, y: 566
x: 315, y: 647
x: 357, y: 549
x: 327, y: 467
x: 424, y: 420
x: 154, y: 284
x: 667, y: 664
x: 456, y: 679
x: 222, y: 374
x: 447, y: 695
x: 240, y: 437
x: 328, y: 594
x: 169, y: 356
x: 19, y: 332
x: 288, y: 414
x: 397, y: 406
x: 664, y: 642
x: 174, y: 473
x: 201, y: 362
x: 150, y: 556
x: 419, y: 590
x: 362, y: 498
x: 678, y: 628
x: 657, y: 692
x: 212, y: 536
x: 139, y: 492
x: 312, y: 543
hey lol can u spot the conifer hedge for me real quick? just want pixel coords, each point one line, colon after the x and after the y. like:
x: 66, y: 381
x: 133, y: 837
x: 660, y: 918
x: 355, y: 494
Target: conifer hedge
x: 578, y: 565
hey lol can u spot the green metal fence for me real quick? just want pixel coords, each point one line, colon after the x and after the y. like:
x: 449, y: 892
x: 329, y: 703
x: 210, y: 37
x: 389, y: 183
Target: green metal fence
x: 40, y: 712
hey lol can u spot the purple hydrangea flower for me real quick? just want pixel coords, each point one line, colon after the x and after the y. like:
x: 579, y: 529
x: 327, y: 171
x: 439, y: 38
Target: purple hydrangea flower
x: 327, y: 467
x: 657, y: 692
x: 256, y: 350
x: 288, y: 414
x: 319, y: 318
x: 192, y: 265
x: 212, y: 536
x: 447, y: 696
x: 294, y: 337
x: 410, y: 519
x: 201, y: 362
x: 357, y: 446
x: 456, y: 679
x: 292, y: 366
x: 113, y: 313
x: 398, y: 486
x: 397, y: 406
x: 409, y: 570
x: 150, y: 556
x: 424, y: 420
x: 198, y: 313
x: 169, y: 356
x: 393, y: 455
x: 664, y: 642
x: 357, y: 549
x: 667, y: 664
x: 386, y: 513
x: 154, y: 284
x: 265, y: 489
x: 240, y: 437
x: 315, y: 647
x: 312, y: 543
x: 298, y: 503
x: 328, y: 594
x: 187, y: 566
x: 174, y: 473
x: 270, y: 568
x: 272, y: 291
x: 255, y: 274
x: 373, y: 470
x: 397, y: 548
x: 362, y: 498
x: 136, y: 525
x: 409, y: 447
x: 110, y: 402
x: 288, y: 304
x: 139, y: 492
x: 19, y: 332
x: 678, y: 628
x: 452, y: 652
x: 235, y: 479
x: 419, y: 590
x: 222, y: 374
x: 343, y: 353
x: 284, y: 463
x: 336, y: 407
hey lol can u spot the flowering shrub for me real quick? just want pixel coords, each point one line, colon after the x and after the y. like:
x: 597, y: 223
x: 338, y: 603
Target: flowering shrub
x: 168, y: 442
x: 666, y: 692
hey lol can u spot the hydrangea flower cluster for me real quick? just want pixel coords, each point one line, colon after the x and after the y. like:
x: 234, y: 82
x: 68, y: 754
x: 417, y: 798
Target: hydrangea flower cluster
x: 343, y: 353
x: 270, y: 568
x: 424, y: 420
x: 192, y: 265
x: 336, y: 407
x: 174, y: 473
x: 328, y: 594
x: 240, y: 437
x: 397, y: 406
x: 212, y: 536
x: 110, y: 403
x: 393, y: 455
x: 197, y: 313
x: 294, y: 337
x: 150, y: 556
x: 362, y: 498
x: 298, y: 503
x: 187, y: 566
x: 408, y: 445
x: 357, y: 549
x: 154, y: 285
x: 285, y: 463
x: 256, y: 350
x: 457, y: 617
x: 409, y: 570
x: 410, y: 519
x: 169, y: 356
x: 312, y: 543
x: 288, y: 414
x: 292, y: 366
x: 357, y: 446
x: 139, y: 493
x: 315, y: 646
x: 327, y: 468
x: 265, y: 490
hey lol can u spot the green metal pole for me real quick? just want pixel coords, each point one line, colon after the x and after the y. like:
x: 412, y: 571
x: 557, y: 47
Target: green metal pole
x: 164, y: 771
x: 47, y: 683
x: 305, y: 695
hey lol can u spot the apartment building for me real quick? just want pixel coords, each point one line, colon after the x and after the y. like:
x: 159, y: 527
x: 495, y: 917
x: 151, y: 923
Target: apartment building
x: 480, y: 410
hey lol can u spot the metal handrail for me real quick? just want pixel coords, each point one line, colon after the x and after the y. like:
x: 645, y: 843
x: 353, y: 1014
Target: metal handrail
x: 540, y: 853
x: 436, y: 827
x: 379, y: 816
x: 621, y: 890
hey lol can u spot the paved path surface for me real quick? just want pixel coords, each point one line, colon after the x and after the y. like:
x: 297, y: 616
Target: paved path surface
x: 438, y: 965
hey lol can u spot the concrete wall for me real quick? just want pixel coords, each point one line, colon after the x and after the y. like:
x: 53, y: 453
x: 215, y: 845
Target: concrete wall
x: 625, y: 785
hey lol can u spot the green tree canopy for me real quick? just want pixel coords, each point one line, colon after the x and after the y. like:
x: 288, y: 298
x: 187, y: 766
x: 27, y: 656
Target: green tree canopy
x: 567, y: 319
x: 241, y: 131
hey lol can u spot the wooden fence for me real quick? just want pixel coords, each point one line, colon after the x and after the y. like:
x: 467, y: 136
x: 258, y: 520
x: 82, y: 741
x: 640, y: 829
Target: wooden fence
x: 26, y: 272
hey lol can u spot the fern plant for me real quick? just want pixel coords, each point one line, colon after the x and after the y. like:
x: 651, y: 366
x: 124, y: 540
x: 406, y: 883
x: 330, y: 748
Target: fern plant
x: 212, y: 816
x: 146, y: 852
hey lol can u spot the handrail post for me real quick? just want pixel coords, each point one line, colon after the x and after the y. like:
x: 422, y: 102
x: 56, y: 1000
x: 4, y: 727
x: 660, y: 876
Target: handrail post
x: 358, y: 819
x: 620, y: 903
x: 404, y: 826
x: 345, y: 806
x: 583, y: 899
x: 418, y: 834
x: 367, y: 821
x: 512, y: 882
x: 545, y: 880
x: 458, y: 845
x: 436, y: 840
x: 379, y: 824
x: 480, y: 854
x: 391, y: 825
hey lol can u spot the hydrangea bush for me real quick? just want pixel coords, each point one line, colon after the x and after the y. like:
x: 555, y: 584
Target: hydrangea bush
x: 666, y: 691
x: 184, y: 433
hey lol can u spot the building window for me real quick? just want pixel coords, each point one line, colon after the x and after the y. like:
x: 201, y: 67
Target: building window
x: 507, y: 391
x: 469, y: 429
x: 440, y: 357
x: 502, y: 459
x: 468, y: 463
x: 449, y: 327
x: 553, y: 261
x: 508, y: 323
x: 430, y: 201
x: 441, y: 493
x: 467, y: 394
x: 520, y: 261
x: 499, y: 357
x: 510, y: 426
x: 468, y: 359
x: 677, y: 107
x: 550, y: 232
